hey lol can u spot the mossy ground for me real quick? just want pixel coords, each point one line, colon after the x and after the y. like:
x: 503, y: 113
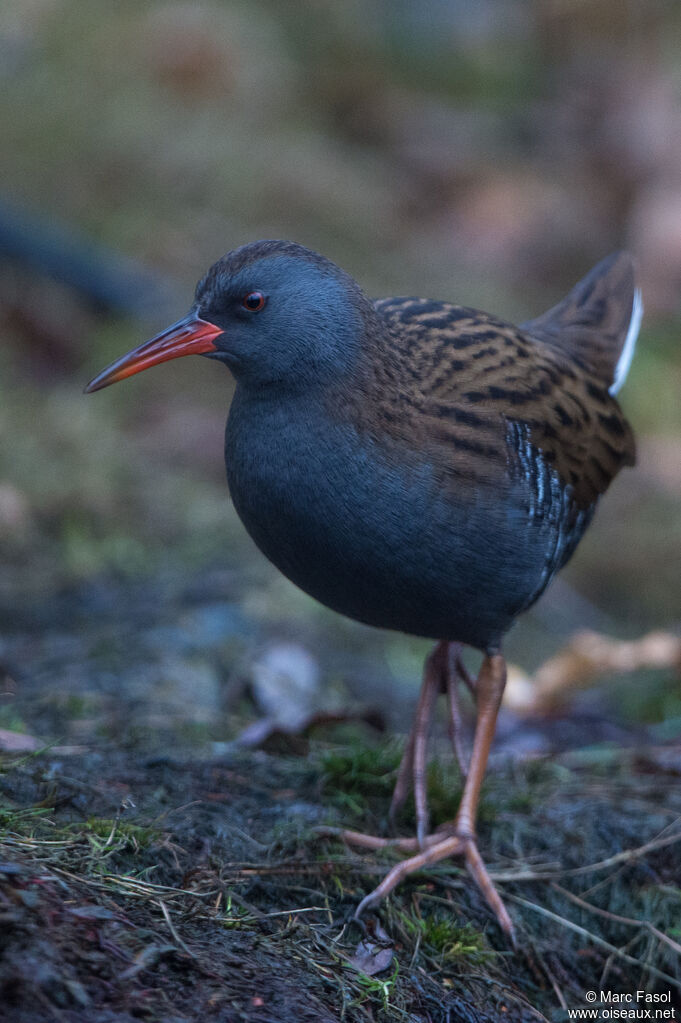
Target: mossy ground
x: 171, y: 889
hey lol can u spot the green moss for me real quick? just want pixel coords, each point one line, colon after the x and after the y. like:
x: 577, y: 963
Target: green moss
x: 520, y: 802
x: 11, y: 720
x: 358, y: 777
x: 235, y: 916
x: 455, y: 942
x: 360, y: 780
x: 87, y: 551
x: 105, y: 833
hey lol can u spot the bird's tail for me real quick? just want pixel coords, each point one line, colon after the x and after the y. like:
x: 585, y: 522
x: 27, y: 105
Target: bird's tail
x: 598, y: 321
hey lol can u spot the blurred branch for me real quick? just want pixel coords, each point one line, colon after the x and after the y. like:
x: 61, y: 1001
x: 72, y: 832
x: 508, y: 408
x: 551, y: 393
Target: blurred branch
x: 112, y: 282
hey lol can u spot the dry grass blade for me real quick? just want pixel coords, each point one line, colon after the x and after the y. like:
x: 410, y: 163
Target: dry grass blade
x: 625, y: 856
x: 171, y: 928
x: 133, y: 886
x: 590, y: 936
x: 630, y: 921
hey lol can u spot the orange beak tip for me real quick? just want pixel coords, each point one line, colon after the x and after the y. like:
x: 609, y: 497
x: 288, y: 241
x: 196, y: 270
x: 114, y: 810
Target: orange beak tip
x: 189, y: 336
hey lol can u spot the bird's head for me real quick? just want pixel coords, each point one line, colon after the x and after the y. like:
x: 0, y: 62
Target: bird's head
x: 273, y: 312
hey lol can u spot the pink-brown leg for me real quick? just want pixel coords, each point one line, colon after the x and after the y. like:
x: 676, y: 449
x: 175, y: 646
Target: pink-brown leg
x: 456, y: 672
x: 457, y: 667
x: 460, y: 838
x: 412, y: 769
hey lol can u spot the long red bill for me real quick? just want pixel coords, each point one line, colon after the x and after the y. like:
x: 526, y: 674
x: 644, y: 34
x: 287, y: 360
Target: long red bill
x: 190, y: 336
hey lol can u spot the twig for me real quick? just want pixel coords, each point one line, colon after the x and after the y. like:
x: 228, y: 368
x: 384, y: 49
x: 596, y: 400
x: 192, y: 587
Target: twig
x: 171, y: 928
x: 596, y: 940
x: 295, y: 912
x: 554, y: 983
x: 131, y: 885
x: 627, y: 854
x: 646, y: 924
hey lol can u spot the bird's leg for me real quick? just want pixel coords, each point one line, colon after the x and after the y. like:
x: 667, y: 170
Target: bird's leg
x: 412, y: 769
x: 459, y: 837
x: 459, y: 668
x: 454, y: 673
x: 489, y: 690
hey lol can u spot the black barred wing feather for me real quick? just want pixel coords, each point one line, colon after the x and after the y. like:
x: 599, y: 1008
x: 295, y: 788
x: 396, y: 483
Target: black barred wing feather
x: 486, y: 390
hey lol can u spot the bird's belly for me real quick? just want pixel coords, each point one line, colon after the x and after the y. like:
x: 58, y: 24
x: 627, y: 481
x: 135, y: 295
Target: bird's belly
x: 384, y: 543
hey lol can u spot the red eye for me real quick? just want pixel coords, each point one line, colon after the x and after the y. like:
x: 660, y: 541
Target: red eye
x: 254, y: 301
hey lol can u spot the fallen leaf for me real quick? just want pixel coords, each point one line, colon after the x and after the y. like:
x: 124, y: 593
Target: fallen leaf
x: 18, y: 742
x: 267, y: 731
x: 588, y: 656
x: 373, y: 956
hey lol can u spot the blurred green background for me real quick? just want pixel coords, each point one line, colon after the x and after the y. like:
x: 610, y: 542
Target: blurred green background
x: 485, y: 153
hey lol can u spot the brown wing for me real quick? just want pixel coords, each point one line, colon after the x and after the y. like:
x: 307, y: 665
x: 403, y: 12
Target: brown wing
x: 460, y: 379
x: 597, y: 322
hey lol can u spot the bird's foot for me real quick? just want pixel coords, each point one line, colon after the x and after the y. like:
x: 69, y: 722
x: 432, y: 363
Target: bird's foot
x: 449, y: 841
x: 458, y: 837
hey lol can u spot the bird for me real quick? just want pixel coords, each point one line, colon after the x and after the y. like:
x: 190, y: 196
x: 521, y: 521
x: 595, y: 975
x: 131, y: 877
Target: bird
x: 415, y: 465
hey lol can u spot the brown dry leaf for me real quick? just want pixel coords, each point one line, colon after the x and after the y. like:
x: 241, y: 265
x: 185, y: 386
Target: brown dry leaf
x: 269, y: 734
x: 373, y: 955
x: 588, y: 656
x: 18, y: 742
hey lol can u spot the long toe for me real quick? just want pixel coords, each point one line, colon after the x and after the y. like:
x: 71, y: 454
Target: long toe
x: 437, y: 849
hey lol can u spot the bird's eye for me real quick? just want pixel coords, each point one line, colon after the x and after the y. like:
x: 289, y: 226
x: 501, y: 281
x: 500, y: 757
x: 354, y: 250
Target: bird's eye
x: 254, y: 301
